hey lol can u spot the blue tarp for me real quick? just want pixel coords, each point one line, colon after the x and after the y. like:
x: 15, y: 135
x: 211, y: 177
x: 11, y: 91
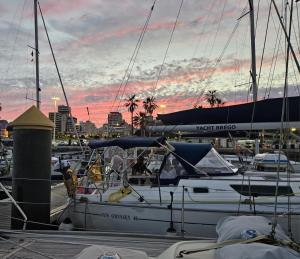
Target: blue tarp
x: 128, y: 142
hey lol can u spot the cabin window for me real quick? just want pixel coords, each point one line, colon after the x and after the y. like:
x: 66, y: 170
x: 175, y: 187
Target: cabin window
x: 200, y: 190
x: 262, y: 190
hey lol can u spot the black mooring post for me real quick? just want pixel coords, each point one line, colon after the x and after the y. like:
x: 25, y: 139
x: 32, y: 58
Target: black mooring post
x: 31, y: 178
x: 171, y: 229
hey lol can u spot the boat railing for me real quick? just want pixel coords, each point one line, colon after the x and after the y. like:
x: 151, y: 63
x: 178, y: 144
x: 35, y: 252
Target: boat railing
x: 182, y: 211
x: 16, y: 204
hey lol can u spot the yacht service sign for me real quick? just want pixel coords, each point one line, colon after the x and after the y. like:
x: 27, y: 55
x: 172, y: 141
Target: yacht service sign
x: 201, y: 128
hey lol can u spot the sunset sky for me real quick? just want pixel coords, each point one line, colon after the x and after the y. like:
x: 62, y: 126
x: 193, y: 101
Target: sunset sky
x: 94, y: 40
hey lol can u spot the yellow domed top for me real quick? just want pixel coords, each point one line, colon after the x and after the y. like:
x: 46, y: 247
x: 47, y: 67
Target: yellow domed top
x: 33, y: 118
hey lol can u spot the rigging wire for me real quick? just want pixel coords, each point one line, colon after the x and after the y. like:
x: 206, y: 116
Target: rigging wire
x: 268, y: 89
x: 274, y: 68
x: 11, y: 57
x: 296, y: 83
x: 214, y: 68
x: 273, y: 62
x: 287, y: 38
x: 212, y: 46
x: 132, y: 66
x: 204, y: 26
x: 264, y: 45
x: 283, y: 111
x: 214, y: 41
x: 26, y: 248
x: 169, y: 43
x: 279, y: 47
x: 298, y: 23
x: 241, y: 52
x: 59, y: 77
x: 207, y: 44
x: 133, y: 57
x: 296, y: 38
x: 219, y: 59
x: 199, y: 38
x: 257, y: 16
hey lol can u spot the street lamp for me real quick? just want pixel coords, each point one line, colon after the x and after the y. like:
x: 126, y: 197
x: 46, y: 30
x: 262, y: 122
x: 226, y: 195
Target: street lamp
x: 55, y: 99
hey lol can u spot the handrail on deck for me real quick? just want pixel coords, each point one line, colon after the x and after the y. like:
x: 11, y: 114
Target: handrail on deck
x: 16, y: 204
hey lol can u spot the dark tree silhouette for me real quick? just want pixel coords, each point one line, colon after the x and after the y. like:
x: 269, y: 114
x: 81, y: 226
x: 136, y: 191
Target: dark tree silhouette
x: 149, y: 105
x: 212, y: 98
x: 139, y: 120
x: 132, y: 104
x: 220, y: 102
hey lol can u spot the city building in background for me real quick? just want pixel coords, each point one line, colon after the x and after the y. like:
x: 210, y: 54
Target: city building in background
x: 114, y: 119
x: 63, y: 122
x: 57, y: 117
x: 115, y: 126
x: 87, y: 128
x: 69, y: 124
x: 3, y: 126
x: 64, y: 110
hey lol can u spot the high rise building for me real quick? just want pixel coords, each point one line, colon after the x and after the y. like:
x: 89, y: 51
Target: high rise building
x: 69, y: 124
x: 63, y: 109
x: 57, y: 118
x: 114, y: 119
x: 63, y: 121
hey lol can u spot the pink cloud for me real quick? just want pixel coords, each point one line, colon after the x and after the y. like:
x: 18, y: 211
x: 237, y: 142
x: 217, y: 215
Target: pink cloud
x: 123, y: 32
x: 50, y: 7
x: 100, y: 98
x: 3, y: 10
x: 98, y: 110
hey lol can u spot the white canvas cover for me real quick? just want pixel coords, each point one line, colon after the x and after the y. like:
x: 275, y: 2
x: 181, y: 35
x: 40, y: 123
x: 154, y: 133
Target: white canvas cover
x: 234, y: 227
x: 98, y: 251
x: 255, y: 251
x: 247, y: 227
x: 270, y: 158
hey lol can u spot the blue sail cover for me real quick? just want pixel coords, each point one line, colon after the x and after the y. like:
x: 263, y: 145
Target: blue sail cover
x: 128, y: 142
x: 190, y: 153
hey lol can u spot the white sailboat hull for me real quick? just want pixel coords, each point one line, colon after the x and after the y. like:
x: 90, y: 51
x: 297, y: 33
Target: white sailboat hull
x: 200, y: 221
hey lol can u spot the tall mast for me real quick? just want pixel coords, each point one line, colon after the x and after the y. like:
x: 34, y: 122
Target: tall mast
x: 253, y: 55
x: 37, y: 72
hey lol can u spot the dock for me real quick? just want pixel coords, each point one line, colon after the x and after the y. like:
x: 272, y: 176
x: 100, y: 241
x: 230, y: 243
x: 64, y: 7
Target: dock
x: 58, y: 203
x: 59, y: 245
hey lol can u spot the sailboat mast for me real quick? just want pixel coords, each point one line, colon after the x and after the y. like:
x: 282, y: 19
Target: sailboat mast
x: 253, y: 54
x: 37, y: 72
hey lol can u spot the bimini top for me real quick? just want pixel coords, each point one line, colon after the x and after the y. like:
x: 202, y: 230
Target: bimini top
x: 128, y: 142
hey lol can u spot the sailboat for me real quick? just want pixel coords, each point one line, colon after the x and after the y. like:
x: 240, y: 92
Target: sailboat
x: 204, y: 190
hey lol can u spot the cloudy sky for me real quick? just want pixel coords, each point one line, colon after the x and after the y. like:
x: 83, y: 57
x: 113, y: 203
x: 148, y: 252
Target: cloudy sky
x: 94, y: 41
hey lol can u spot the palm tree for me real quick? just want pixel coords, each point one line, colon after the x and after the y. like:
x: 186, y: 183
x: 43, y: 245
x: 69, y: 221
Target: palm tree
x: 149, y: 105
x: 212, y: 99
x: 139, y: 120
x: 131, y: 104
x: 220, y: 102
